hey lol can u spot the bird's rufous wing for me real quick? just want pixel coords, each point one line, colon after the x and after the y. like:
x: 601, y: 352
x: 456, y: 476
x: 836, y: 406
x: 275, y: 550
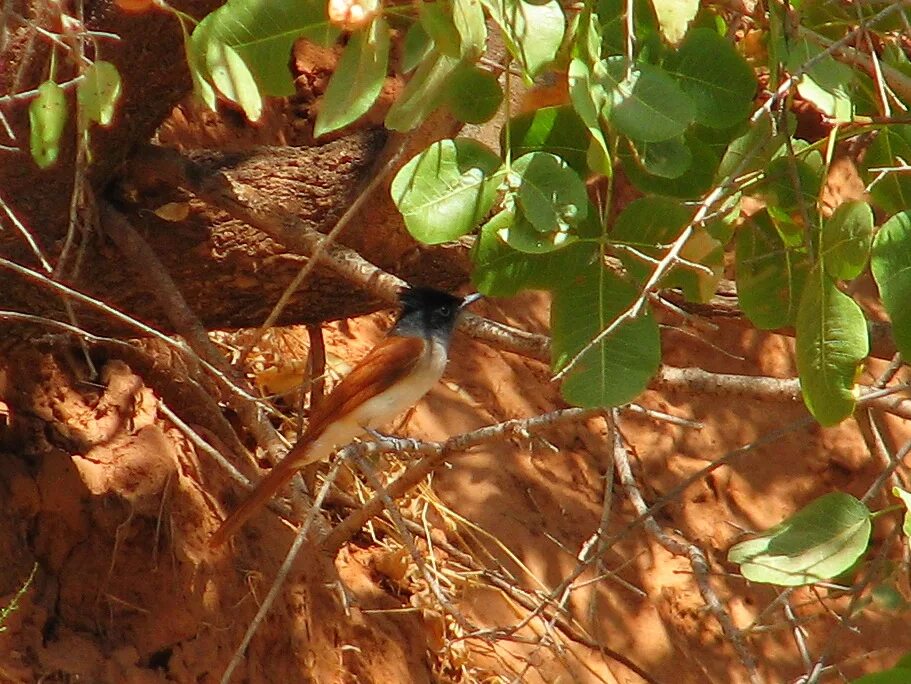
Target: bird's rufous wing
x: 388, y: 362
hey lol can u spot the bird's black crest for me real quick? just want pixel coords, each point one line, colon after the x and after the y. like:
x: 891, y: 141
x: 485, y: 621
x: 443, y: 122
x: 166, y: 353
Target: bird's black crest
x: 428, y: 313
x: 426, y: 298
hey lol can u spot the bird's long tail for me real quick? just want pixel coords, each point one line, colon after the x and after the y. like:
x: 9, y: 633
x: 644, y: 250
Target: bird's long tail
x: 277, y: 478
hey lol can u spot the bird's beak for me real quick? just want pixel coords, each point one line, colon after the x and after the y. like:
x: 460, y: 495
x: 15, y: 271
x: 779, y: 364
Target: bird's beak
x: 470, y: 299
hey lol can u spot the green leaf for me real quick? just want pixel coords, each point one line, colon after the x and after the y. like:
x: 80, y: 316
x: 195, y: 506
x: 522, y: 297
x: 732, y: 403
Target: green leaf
x: 846, y: 239
x: 499, y: 270
x: 588, y: 99
x: 905, y: 496
x: 357, y: 80
x: 819, y: 542
x: 517, y: 231
x: 99, y: 91
x: 715, y: 77
x: 233, y: 78
x: 643, y: 101
x: 445, y: 190
x: 417, y: 46
x: 473, y: 95
x: 667, y: 158
x: 589, y: 36
x: 692, y: 184
x: 533, y: 32
x: 468, y: 16
x: 550, y: 194
x: 648, y: 224
x: 674, y: 16
x: 262, y: 32
x: 558, y: 130
x: 47, y: 117
x: 890, y: 262
x: 890, y: 190
x: 832, y: 342
x: 754, y: 148
x: 617, y: 369
x: 651, y: 223
x: 436, y: 18
x: 783, y: 193
x: 770, y: 278
x: 199, y: 74
x: 827, y: 84
x: 422, y: 94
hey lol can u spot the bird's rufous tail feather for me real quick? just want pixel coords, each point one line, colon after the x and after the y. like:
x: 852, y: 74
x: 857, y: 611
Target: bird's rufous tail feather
x: 280, y: 475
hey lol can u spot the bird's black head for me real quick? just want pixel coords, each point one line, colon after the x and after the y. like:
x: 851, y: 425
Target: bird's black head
x: 429, y: 313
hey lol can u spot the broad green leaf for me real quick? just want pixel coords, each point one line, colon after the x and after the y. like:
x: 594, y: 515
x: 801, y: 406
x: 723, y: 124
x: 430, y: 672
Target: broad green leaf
x: 533, y: 32
x: 699, y: 286
x: 473, y: 95
x: 846, y: 239
x: 792, y: 185
x: 557, y: 130
x: 905, y: 496
x: 890, y: 262
x: 715, y: 77
x: 770, y: 277
x: 550, y: 194
x: 468, y: 16
x: 889, y: 189
x: 819, y: 542
x: 754, y: 148
x: 618, y: 368
x: 499, y: 270
x: 588, y: 99
x: 832, y: 342
x: 416, y: 47
x: 827, y: 84
x: 674, y: 16
x: 643, y: 101
x: 357, y: 80
x: 516, y: 230
x: 692, y: 184
x: 47, y: 117
x: 667, y: 158
x: 589, y: 36
x: 233, y: 79
x: 587, y: 95
x: 262, y: 33
x: 648, y: 224
x: 436, y: 18
x: 99, y: 91
x: 422, y: 94
x: 445, y: 190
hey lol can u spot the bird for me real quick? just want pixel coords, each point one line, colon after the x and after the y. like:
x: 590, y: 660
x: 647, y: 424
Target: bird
x: 389, y: 380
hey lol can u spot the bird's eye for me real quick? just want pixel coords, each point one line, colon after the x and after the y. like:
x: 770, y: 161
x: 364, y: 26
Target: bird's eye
x: 445, y: 310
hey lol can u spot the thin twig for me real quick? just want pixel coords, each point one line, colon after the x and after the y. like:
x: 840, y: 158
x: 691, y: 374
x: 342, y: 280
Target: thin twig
x: 679, y: 547
x: 282, y: 574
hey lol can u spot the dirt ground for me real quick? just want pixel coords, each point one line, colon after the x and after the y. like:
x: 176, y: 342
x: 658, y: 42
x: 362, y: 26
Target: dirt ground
x: 114, y: 505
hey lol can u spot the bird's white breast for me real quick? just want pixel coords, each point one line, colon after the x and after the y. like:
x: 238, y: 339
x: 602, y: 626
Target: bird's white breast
x: 385, y: 406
